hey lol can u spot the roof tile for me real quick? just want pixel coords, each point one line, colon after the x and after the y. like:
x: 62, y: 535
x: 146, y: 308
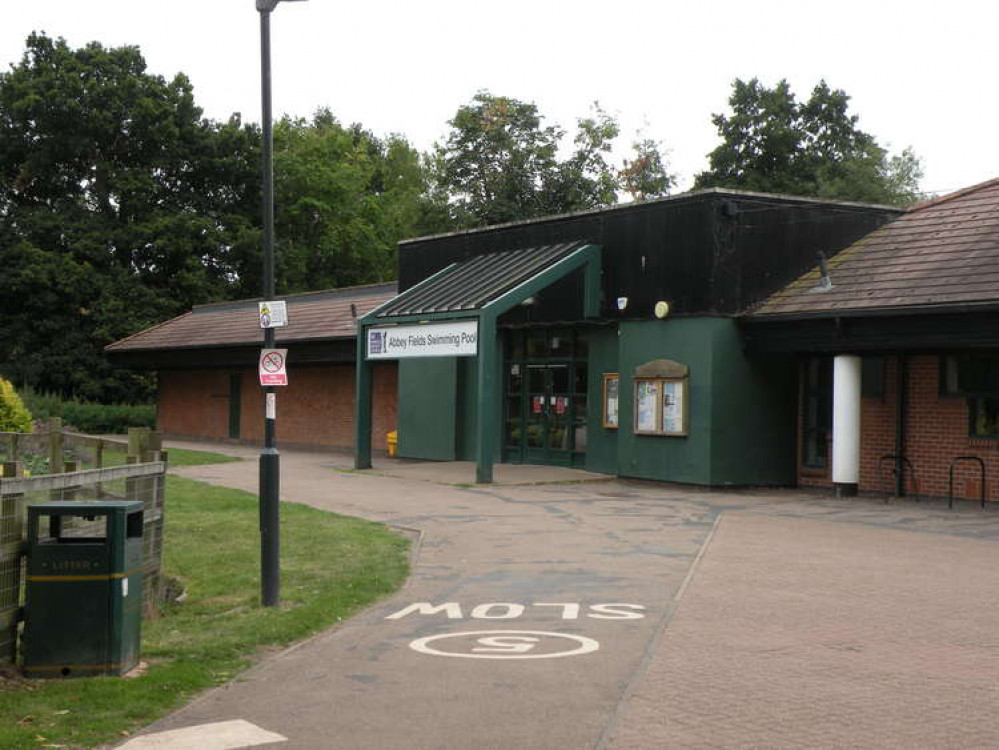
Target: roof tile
x: 314, y: 316
x: 941, y: 252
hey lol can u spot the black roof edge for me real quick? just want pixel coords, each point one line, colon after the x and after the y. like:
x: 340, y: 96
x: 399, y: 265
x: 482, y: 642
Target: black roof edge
x: 947, y: 308
x: 679, y: 197
x: 347, y: 292
x: 284, y: 343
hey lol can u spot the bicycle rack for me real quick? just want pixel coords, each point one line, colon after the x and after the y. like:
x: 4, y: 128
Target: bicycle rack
x: 950, y: 484
x: 905, y: 462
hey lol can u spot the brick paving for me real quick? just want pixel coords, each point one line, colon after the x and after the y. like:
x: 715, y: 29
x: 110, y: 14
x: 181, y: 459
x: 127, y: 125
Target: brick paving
x: 804, y: 633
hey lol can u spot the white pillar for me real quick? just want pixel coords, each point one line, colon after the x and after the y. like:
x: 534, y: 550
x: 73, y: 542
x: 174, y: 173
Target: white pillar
x: 846, y: 424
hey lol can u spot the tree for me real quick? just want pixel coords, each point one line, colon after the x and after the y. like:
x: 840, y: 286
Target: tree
x: 646, y: 175
x: 500, y: 163
x: 343, y: 199
x: 773, y: 143
x: 111, y: 216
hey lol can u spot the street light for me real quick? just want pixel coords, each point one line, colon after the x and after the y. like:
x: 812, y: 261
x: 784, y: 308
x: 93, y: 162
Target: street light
x: 270, y: 460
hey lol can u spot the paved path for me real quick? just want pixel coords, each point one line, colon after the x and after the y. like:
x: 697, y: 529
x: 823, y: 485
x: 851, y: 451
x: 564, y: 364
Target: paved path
x: 804, y: 622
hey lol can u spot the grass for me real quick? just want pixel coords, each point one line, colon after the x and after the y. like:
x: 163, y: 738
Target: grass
x: 176, y: 457
x: 332, y: 566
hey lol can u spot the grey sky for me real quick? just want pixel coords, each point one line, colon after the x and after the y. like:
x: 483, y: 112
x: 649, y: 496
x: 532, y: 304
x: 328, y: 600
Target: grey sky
x: 920, y: 74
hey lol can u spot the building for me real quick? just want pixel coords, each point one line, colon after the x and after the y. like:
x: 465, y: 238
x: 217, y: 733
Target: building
x: 206, y: 362
x: 901, y: 343
x: 609, y: 340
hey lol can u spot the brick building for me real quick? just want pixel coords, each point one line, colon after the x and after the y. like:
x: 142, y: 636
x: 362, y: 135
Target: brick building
x: 897, y: 341
x: 206, y: 365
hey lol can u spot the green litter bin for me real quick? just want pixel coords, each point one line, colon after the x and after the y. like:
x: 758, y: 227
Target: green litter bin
x: 83, y: 598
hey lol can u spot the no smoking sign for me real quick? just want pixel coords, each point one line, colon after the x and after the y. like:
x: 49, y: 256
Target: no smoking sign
x: 272, y: 367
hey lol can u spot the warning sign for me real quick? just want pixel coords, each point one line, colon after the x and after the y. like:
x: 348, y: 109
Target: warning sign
x: 273, y: 314
x: 272, y: 367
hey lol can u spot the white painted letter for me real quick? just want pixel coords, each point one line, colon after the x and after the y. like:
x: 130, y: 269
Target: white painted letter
x: 570, y: 611
x: 453, y: 610
x: 512, y: 610
x: 506, y: 644
x: 614, y: 612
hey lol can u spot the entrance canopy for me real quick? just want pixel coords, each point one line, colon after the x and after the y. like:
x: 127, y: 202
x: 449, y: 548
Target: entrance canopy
x: 487, y: 280
x: 478, y: 289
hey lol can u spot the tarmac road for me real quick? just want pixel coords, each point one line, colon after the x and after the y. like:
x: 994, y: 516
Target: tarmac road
x: 535, y: 618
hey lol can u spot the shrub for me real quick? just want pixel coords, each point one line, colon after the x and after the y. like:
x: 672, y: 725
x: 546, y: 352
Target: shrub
x: 14, y: 415
x: 90, y: 417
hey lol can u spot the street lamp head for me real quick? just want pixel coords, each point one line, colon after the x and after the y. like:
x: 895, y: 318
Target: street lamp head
x: 266, y: 6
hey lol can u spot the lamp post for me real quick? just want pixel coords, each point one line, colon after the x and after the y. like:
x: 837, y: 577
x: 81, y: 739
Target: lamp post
x: 270, y: 460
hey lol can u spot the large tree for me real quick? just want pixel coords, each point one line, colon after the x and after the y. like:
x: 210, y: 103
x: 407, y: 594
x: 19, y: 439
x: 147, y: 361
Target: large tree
x: 111, y: 216
x: 343, y: 199
x: 773, y: 143
x: 500, y: 162
x: 121, y: 206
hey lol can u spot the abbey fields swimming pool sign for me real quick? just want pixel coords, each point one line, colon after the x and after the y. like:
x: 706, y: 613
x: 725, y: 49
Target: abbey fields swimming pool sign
x: 457, y: 338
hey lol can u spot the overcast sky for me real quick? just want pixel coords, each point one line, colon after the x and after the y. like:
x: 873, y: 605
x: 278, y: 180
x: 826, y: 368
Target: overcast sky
x: 920, y: 74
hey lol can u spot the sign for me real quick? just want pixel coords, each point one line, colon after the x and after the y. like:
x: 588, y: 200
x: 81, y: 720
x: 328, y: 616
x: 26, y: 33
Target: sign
x: 273, y: 314
x: 272, y: 367
x: 453, y: 339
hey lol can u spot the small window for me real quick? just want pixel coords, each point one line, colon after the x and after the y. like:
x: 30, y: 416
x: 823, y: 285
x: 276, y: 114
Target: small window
x: 872, y: 377
x: 661, y: 406
x: 969, y: 374
x: 984, y: 416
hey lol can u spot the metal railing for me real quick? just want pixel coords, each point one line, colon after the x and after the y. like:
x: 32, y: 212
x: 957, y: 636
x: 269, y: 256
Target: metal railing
x: 950, y: 480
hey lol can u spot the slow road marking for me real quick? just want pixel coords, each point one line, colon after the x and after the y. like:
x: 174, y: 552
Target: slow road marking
x: 222, y: 735
x: 505, y: 644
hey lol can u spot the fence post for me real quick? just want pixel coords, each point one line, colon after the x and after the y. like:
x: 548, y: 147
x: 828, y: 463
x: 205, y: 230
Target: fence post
x: 55, y: 445
x: 11, y: 549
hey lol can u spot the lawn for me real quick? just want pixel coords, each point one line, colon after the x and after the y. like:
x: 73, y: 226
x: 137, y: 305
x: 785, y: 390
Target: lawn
x: 332, y: 566
x: 175, y: 457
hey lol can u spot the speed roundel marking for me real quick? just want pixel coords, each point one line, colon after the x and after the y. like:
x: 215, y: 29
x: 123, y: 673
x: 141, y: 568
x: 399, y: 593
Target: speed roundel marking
x: 505, y: 644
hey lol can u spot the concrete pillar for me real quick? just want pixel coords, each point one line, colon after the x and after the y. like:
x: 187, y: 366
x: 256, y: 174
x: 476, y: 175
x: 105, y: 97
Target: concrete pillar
x: 846, y: 424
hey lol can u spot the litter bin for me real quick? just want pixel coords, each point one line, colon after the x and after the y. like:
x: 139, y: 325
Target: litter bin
x: 83, y: 598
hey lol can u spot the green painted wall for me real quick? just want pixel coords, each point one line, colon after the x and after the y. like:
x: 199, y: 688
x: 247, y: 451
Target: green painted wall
x: 438, y: 407
x: 674, y: 459
x: 427, y: 408
x: 753, y: 414
x: 741, y: 429
x: 601, y: 443
x: 468, y: 389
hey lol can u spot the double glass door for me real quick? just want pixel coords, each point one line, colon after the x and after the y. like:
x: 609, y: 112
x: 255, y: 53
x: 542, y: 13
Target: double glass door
x: 546, y: 399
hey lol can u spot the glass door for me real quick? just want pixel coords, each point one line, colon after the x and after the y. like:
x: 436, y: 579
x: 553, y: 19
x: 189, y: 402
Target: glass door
x: 545, y: 398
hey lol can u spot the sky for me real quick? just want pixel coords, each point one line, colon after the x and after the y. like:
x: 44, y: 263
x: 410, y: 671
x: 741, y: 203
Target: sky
x: 920, y: 74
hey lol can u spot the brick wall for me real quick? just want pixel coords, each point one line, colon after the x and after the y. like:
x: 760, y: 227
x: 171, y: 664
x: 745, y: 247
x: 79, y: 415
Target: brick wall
x: 315, y: 409
x: 936, y: 432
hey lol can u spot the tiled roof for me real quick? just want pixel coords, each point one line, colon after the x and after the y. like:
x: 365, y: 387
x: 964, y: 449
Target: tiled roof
x: 472, y: 283
x: 941, y: 253
x: 315, y: 316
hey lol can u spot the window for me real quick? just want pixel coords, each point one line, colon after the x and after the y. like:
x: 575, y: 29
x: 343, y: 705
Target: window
x: 984, y: 416
x: 661, y: 406
x: 817, y: 421
x: 969, y: 374
x: 611, y: 400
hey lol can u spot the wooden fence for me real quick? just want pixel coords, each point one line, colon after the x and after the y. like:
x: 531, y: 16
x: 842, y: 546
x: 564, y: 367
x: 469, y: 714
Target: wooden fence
x: 143, y: 478
x: 51, y: 449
